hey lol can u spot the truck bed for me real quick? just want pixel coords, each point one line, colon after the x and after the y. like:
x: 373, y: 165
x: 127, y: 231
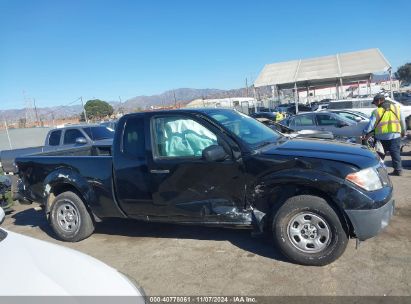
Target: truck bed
x: 7, y: 157
x: 89, y: 170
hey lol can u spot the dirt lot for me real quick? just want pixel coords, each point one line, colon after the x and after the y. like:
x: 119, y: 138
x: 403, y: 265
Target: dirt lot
x: 181, y: 260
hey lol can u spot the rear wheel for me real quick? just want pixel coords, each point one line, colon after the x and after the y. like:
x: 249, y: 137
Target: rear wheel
x: 69, y: 218
x: 308, y: 231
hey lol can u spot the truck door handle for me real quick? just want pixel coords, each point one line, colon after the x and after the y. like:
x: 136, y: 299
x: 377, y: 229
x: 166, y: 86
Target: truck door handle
x: 160, y: 171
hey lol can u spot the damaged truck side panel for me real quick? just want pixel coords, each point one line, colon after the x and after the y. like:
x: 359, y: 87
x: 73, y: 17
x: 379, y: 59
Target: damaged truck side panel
x: 215, y: 167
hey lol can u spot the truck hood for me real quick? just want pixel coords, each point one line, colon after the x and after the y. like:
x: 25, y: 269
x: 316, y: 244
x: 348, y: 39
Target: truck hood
x: 354, y: 154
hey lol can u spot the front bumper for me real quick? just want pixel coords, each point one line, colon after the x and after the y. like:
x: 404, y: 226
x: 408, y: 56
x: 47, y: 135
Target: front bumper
x: 368, y: 223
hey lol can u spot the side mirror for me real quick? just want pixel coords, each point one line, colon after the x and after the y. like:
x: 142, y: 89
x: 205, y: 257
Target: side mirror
x: 214, y: 153
x: 357, y: 119
x: 81, y: 140
x: 2, y: 215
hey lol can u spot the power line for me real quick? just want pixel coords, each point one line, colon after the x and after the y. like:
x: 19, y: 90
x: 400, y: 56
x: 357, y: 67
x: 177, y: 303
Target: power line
x: 60, y: 107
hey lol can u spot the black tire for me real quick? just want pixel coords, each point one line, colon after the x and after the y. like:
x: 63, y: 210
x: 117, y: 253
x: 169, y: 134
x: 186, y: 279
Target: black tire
x: 329, y: 237
x: 70, y: 218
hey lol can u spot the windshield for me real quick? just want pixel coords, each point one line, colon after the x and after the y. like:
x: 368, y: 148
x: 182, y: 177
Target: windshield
x: 345, y: 119
x: 98, y: 133
x: 246, y: 128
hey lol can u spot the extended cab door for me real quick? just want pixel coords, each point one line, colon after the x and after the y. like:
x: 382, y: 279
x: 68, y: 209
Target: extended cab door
x: 130, y: 172
x: 185, y: 186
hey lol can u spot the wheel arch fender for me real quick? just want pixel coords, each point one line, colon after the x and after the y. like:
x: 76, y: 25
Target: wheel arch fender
x: 66, y: 179
x: 272, y: 191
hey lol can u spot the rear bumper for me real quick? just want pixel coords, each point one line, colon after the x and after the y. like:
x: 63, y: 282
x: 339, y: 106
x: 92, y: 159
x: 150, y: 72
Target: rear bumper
x: 369, y: 223
x: 19, y: 192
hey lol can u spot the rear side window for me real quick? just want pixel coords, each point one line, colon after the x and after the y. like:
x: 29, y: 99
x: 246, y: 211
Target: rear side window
x: 70, y: 136
x: 327, y: 120
x: 133, y: 138
x: 304, y: 120
x: 54, y: 139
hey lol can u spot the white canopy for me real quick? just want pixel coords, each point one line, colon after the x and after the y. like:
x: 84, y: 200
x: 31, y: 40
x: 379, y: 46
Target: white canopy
x: 316, y: 71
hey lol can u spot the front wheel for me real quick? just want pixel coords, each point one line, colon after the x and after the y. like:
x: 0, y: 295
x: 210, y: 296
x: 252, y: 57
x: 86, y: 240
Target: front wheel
x: 70, y: 218
x: 308, y: 231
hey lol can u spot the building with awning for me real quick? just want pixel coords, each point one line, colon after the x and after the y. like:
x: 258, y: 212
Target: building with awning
x: 337, y: 71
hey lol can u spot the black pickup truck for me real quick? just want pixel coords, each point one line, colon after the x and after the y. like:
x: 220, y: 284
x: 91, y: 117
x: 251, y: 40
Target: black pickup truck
x: 217, y: 167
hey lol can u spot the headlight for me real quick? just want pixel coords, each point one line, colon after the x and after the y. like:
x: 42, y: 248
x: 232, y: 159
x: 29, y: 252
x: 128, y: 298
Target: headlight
x: 367, y: 179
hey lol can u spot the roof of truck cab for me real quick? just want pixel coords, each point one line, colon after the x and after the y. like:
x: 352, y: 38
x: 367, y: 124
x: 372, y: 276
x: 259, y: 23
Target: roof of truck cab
x: 78, y: 126
x: 185, y: 110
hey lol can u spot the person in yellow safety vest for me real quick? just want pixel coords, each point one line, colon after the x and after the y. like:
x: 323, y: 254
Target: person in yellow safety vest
x: 279, y: 116
x: 388, y: 125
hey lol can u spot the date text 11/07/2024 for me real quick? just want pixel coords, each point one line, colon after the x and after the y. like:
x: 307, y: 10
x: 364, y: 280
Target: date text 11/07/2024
x: 202, y: 299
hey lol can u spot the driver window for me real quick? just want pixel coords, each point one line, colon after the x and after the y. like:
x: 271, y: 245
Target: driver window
x: 181, y: 137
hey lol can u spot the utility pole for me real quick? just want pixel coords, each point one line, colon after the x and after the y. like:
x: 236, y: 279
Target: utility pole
x: 246, y: 86
x: 35, y: 109
x: 84, y: 110
x: 120, y: 108
x: 28, y: 104
x: 8, y: 135
x: 175, y: 100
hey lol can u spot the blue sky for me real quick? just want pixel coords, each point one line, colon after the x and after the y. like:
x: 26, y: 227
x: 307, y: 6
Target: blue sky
x: 57, y: 51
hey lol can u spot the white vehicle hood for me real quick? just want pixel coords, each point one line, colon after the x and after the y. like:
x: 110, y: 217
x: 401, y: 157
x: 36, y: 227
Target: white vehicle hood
x: 33, y: 267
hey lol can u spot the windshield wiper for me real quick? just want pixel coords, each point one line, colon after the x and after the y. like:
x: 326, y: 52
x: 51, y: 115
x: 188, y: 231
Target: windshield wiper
x: 263, y: 144
x: 280, y: 139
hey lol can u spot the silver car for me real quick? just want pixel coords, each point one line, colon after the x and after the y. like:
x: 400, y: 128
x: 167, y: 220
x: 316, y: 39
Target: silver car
x: 326, y: 121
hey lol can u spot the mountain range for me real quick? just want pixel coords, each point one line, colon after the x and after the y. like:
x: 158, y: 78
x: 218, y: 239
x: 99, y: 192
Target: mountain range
x: 180, y: 97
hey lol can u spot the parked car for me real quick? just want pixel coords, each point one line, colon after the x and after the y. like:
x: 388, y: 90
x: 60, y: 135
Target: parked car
x: 301, y: 108
x: 403, y: 98
x: 32, y: 267
x: 72, y: 136
x: 366, y: 106
x: 291, y: 109
x: 320, y: 107
x: 326, y: 121
x: 218, y: 167
x: 295, y: 134
x: 268, y: 115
